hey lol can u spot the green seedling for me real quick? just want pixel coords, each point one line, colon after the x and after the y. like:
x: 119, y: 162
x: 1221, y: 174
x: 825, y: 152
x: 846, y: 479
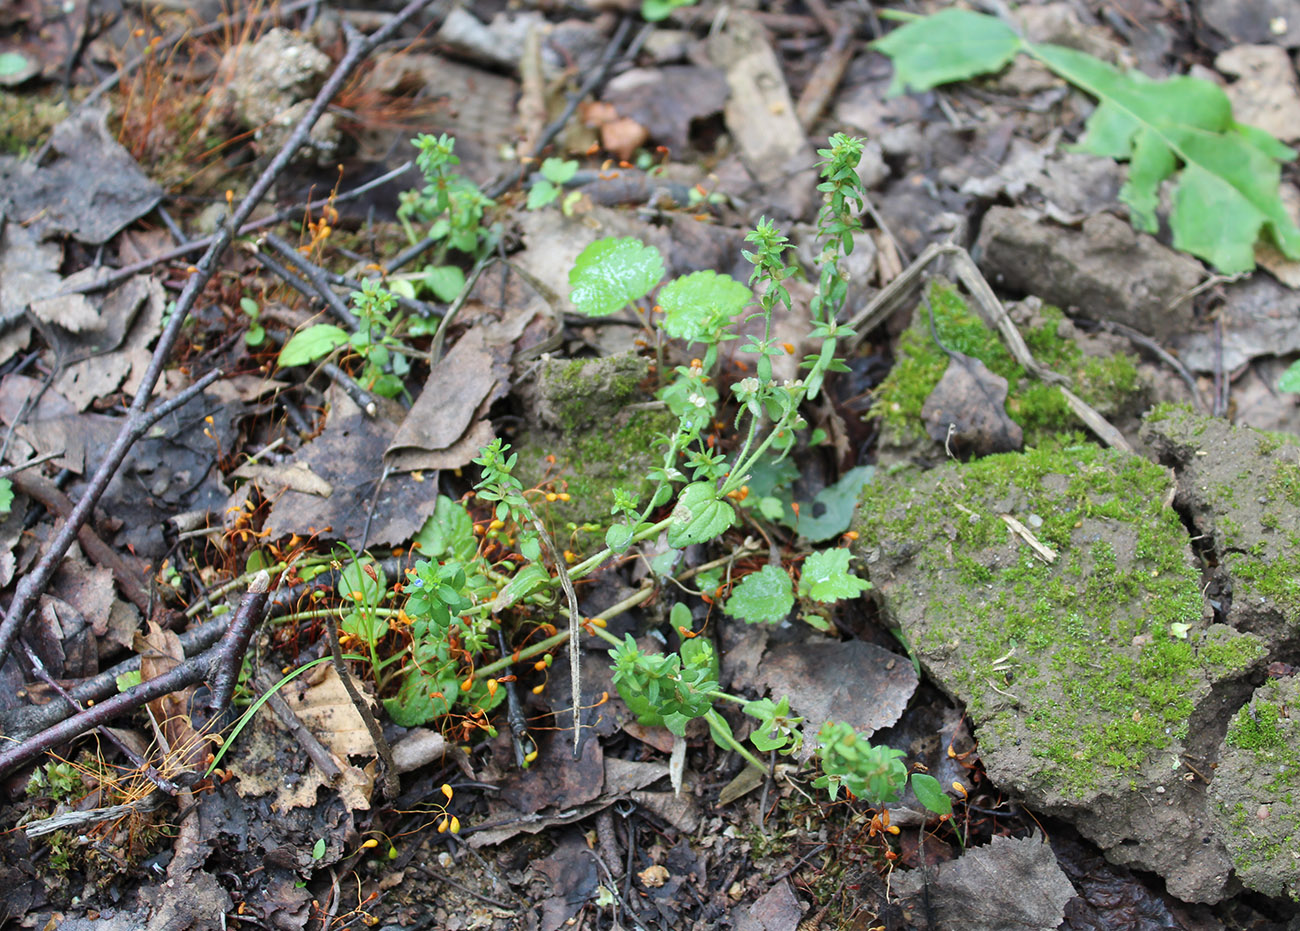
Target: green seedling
x: 256, y: 333
x: 555, y: 173
x: 1226, y: 193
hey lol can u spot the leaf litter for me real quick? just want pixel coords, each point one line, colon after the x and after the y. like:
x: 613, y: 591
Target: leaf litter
x: 375, y: 480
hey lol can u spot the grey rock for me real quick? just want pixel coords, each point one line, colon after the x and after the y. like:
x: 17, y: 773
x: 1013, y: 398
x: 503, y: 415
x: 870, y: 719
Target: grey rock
x: 1109, y: 271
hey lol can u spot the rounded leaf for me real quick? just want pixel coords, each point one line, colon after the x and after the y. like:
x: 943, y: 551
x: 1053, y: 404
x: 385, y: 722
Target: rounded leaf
x: 611, y: 273
x: 700, y: 515
x: 697, y: 306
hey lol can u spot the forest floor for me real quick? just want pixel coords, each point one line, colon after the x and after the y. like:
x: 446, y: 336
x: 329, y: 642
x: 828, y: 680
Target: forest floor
x: 283, y: 649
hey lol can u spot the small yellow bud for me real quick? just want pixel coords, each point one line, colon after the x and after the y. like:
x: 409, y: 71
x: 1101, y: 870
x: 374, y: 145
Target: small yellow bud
x: 369, y: 844
x: 959, y: 789
x: 446, y: 791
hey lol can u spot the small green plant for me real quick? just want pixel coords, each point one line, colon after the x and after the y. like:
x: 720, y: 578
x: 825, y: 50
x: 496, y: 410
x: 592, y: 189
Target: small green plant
x: 375, y: 341
x: 57, y: 781
x: 256, y: 333
x: 451, y: 207
x: 1226, y: 194
x: 6, y: 495
x: 555, y: 172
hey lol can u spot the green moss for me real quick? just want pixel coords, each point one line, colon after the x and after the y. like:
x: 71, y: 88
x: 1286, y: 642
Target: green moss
x: 1040, y: 409
x: 1255, y: 728
x: 25, y: 119
x: 590, y: 464
x: 1085, y: 647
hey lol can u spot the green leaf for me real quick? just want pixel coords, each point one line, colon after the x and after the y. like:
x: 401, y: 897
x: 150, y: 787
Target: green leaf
x: 697, y: 306
x: 311, y: 344
x: 255, y: 336
x: 6, y: 495
x: 448, y: 531
x: 950, y: 46
x: 1228, y: 191
x: 541, y: 193
x: 619, y: 537
x: 611, y: 273
x: 355, y: 579
x: 12, y: 63
x: 765, y: 596
x: 834, y: 506
x: 700, y: 515
x: 365, y: 625
x: 445, y: 281
x: 427, y: 691
x: 1290, y: 380
x: 558, y: 170
x: 318, y: 849
x: 250, y: 307
x: 529, y: 579
x: 655, y: 10
x: 129, y: 680
x: 827, y: 577
x: 930, y: 794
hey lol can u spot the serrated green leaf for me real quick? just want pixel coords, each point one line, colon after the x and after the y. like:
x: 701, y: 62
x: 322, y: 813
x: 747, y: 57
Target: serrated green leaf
x: 833, y: 506
x: 930, y: 794
x: 765, y: 597
x: 699, y: 515
x: 611, y: 273
x: 445, y: 281
x: 1228, y: 191
x: 950, y: 46
x: 1290, y: 380
x: 697, y: 306
x: 311, y: 344
x: 826, y: 577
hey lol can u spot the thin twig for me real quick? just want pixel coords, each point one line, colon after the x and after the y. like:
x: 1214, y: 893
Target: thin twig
x: 315, y: 750
x: 21, y: 723
x: 228, y: 658
x: 138, y: 419
x: 392, y: 786
x: 553, y: 129
x: 183, y: 675
x: 143, y: 765
x: 119, y: 275
x: 127, y: 576
x: 313, y: 274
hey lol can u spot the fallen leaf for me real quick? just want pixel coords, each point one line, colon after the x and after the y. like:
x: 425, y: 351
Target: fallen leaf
x: 666, y: 100
x: 1013, y: 884
x: 775, y: 910
x: 856, y: 682
x: 93, y: 190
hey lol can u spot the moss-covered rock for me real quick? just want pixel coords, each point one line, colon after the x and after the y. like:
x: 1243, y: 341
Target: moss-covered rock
x: 1107, y: 380
x: 1241, y: 489
x: 1256, y: 790
x: 1055, y: 595
x: 601, y: 431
